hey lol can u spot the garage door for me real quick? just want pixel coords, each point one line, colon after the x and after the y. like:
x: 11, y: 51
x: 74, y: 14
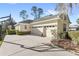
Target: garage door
x: 50, y: 33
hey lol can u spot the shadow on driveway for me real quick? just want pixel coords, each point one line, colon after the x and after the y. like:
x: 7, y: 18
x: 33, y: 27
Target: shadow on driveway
x: 40, y: 48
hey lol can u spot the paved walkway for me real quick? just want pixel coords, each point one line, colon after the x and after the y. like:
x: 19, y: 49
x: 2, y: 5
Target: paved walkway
x: 29, y: 45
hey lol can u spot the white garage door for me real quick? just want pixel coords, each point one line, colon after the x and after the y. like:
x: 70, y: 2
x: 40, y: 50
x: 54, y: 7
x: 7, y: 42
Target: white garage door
x: 37, y: 31
x: 50, y: 33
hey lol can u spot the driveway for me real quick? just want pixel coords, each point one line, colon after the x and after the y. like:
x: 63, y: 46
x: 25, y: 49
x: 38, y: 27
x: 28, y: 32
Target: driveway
x: 29, y: 45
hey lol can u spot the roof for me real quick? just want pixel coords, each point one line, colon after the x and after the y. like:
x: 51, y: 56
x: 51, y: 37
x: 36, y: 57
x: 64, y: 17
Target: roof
x: 26, y: 21
x: 21, y: 24
x: 53, y: 16
x: 45, y: 18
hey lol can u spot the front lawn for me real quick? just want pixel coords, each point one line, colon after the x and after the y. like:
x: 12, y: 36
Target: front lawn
x: 74, y: 36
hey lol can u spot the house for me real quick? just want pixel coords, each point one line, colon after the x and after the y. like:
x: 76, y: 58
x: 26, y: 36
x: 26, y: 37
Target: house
x: 73, y: 27
x: 49, y: 26
x: 24, y: 26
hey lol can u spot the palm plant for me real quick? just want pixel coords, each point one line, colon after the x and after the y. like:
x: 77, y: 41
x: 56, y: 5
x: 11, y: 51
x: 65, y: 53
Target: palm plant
x: 23, y: 14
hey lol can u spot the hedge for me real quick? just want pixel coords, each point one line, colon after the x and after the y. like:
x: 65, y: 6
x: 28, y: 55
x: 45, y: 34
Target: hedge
x: 10, y: 32
x: 22, y: 33
x: 74, y: 36
x: 0, y: 38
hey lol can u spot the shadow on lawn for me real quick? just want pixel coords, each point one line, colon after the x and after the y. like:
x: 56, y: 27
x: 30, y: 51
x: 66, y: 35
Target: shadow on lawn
x: 40, y: 48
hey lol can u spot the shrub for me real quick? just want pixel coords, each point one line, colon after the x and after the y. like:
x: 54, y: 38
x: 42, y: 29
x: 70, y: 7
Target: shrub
x: 10, y: 32
x: 22, y: 33
x: 74, y: 36
x: 66, y: 44
x: 0, y: 38
x: 64, y: 35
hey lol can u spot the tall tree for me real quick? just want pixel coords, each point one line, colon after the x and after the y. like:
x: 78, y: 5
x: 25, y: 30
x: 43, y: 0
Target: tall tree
x: 8, y: 22
x: 24, y: 14
x: 65, y: 7
x: 34, y: 12
x: 40, y: 12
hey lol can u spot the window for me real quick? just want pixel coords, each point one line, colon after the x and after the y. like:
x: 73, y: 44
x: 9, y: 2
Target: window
x: 25, y: 27
x: 53, y: 26
x: 64, y: 27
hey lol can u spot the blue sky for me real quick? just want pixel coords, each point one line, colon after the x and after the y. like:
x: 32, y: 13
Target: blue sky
x: 14, y: 9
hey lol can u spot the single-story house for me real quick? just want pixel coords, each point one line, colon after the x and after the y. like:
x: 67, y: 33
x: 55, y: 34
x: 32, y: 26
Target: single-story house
x: 48, y: 26
x: 24, y: 26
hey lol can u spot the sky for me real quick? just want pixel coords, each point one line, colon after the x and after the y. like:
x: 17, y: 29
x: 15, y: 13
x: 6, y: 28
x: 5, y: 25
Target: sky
x: 15, y: 8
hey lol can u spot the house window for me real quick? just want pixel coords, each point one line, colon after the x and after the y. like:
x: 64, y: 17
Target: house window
x: 64, y: 27
x: 53, y: 26
x: 25, y: 27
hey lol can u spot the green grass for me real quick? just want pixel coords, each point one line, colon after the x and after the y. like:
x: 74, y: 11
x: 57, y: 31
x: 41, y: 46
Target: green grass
x: 74, y: 36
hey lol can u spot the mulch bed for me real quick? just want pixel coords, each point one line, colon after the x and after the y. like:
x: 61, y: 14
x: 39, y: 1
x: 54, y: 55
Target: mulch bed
x: 66, y: 44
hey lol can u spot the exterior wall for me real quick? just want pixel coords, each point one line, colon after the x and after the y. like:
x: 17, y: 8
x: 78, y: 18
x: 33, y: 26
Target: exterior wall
x: 17, y: 28
x: 61, y: 23
x: 21, y: 27
x: 60, y: 26
x: 53, y: 27
x: 45, y: 28
x: 49, y: 28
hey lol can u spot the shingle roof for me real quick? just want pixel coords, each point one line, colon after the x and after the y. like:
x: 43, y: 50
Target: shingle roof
x: 45, y: 18
x: 52, y: 16
x: 26, y: 21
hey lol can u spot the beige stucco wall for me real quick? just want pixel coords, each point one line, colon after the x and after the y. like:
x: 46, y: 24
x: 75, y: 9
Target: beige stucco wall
x: 58, y: 23
x: 48, y: 30
x: 61, y: 22
x: 21, y: 27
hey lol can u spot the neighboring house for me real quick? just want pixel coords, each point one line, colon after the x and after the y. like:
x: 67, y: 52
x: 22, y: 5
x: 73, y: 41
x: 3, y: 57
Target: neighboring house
x: 73, y: 27
x: 50, y: 26
x: 24, y: 26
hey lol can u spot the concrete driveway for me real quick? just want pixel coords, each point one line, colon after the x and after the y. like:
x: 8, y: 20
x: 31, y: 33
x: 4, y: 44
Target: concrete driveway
x: 29, y: 45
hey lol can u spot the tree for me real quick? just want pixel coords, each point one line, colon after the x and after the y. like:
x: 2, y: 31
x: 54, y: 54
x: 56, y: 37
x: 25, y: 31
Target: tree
x: 77, y: 21
x: 8, y: 22
x: 40, y: 12
x: 36, y: 12
x: 23, y: 14
x: 12, y: 23
x: 65, y: 7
